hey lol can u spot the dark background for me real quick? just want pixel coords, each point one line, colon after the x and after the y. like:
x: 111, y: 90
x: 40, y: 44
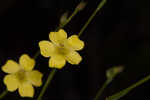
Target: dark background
x: 118, y: 35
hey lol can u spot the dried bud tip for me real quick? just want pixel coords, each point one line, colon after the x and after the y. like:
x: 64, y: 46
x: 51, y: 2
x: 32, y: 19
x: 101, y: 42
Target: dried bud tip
x: 112, y: 72
x: 81, y: 5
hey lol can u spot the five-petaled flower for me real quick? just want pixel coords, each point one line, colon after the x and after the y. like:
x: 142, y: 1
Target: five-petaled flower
x: 61, y: 49
x: 22, y: 76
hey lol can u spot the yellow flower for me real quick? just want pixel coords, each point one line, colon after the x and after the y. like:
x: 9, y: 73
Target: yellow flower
x: 22, y: 76
x: 61, y: 49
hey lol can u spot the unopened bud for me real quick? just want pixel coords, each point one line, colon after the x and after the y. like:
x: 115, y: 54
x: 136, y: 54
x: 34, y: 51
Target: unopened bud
x: 112, y: 72
x: 63, y: 18
x: 81, y: 5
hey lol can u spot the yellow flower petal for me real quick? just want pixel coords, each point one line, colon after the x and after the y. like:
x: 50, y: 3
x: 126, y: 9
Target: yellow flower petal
x: 10, y: 67
x: 57, y: 61
x: 58, y: 37
x: 46, y: 48
x: 26, y: 90
x: 26, y: 62
x: 75, y: 43
x: 73, y: 57
x: 35, y: 77
x: 11, y: 82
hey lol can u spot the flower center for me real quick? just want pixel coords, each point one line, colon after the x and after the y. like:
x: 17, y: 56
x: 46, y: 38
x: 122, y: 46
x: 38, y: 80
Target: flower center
x: 21, y: 76
x: 61, y: 45
x: 61, y: 49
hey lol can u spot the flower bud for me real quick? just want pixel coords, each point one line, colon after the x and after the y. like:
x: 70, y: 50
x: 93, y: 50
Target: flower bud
x: 81, y: 5
x: 112, y: 72
x: 63, y: 18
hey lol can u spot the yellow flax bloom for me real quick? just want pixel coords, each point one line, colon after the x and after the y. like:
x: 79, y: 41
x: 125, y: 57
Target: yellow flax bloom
x: 61, y: 49
x: 22, y: 76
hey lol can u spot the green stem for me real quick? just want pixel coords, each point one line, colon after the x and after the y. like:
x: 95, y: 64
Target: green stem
x: 139, y: 82
x: 3, y: 94
x: 124, y: 92
x: 50, y: 77
x: 37, y: 54
x: 69, y: 19
x: 101, y: 4
x: 102, y: 89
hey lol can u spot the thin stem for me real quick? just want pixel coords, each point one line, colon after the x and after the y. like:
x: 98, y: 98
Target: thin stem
x: 124, y: 92
x: 101, y: 4
x: 140, y: 82
x: 37, y: 54
x: 3, y: 94
x: 69, y: 19
x: 50, y: 77
x: 101, y: 89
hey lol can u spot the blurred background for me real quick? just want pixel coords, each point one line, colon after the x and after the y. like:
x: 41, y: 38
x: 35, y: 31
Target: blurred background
x: 118, y: 35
